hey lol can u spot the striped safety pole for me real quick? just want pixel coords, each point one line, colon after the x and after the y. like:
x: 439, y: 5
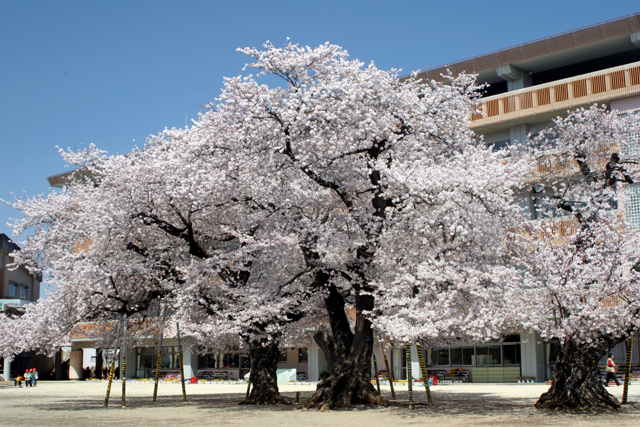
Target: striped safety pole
x: 389, y: 376
x: 124, y: 364
x: 184, y: 390
x: 409, y: 377
x: 375, y: 370
x: 155, y: 388
x: 113, y: 365
x: 423, y: 368
x: 627, y: 370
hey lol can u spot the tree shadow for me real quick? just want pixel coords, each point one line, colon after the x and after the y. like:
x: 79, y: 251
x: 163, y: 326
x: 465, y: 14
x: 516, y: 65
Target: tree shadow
x: 453, y: 406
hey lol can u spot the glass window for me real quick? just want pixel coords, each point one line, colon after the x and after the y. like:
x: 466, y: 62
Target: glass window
x: 488, y: 355
x: 303, y: 355
x: 245, y: 360
x: 23, y: 292
x: 13, y: 289
x: 440, y: 356
x: 511, y: 354
x: 211, y: 361
x: 283, y: 356
x: 231, y: 360
x: 462, y: 356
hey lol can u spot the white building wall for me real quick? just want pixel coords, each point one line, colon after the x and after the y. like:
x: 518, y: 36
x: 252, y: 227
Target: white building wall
x: 87, y: 354
x: 532, y: 353
x: 189, y: 362
x: 415, y: 363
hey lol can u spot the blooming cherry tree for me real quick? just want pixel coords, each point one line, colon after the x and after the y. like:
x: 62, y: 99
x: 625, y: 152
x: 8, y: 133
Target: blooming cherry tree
x: 581, y: 281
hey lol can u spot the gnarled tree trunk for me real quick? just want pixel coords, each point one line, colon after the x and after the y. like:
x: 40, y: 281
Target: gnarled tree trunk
x: 263, y: 377
x: 348, y: 355
x: 576, y: 381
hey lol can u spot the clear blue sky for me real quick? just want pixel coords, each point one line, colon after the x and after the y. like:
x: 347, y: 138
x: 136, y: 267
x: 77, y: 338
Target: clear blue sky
x: 79, y: 72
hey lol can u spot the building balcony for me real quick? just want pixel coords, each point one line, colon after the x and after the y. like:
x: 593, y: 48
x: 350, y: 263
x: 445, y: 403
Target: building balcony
x: 565, y: 94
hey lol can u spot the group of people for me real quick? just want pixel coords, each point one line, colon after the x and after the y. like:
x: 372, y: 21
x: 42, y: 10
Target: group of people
x: 30, y: 378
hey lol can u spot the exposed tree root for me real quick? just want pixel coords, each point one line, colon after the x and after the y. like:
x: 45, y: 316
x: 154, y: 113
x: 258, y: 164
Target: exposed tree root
x: 576, y: 381
x: 344, y: 391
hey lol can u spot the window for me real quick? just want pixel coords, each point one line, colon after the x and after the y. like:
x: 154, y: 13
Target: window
x: 511, y: 354
x: 235, y: 360
x: 208, y: 361
x: 632, y: 204
x: 303, y: 355
x: 13, y: 290
x: 440, y: 356
x: 283, y: 356
x: 23, y: 292
x: 462, y: 356
x: 500, y: 145
x: 231, y: 360
x: 488, y: 355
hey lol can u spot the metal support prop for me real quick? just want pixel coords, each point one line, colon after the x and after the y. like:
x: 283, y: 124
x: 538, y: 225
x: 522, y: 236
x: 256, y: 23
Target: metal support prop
x: 124, y: 364
x: 184, y: 390
x: 389, y: 376
x: 425, y: 380
x: 375, y: 370
x: 409, y: 377
x: 113, y: 365
x: 155, y: 388
x: 627, y: 370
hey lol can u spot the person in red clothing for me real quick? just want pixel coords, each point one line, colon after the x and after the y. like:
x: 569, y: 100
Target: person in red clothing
x: 611, y: 371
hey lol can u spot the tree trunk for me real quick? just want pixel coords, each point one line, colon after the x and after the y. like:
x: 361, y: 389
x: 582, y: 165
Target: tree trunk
x: 263, y: 377
x: 576, y: 381
x: 348, y: 355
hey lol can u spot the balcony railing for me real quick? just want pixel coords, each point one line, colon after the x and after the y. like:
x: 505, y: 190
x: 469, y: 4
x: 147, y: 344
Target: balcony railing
x: 562, y: 94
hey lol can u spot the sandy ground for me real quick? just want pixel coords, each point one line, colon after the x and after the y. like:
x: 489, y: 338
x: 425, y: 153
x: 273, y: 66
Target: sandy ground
x: 81, y: 404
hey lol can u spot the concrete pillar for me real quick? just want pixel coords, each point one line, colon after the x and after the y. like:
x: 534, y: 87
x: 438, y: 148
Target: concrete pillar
x: 131, y: 362
x: 415, y: 363
x: 6, y: 373
x: 518, y: 133
x: 313, y: 367
x: 532, y: 352
x: 190, y: 364
x: 75, y: 365
x: 515, y: 77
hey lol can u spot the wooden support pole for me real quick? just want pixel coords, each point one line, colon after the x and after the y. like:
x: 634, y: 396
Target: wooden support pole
x: 113, y: 365
x: 155, y: 388
x: 123, y: 371
x: 389, y: 376
x: 184, y: 390
x: 409, y: 377
x: 627, y: 370
x: 375, y: 370
x: 248, y: 390
x: 423, y: 368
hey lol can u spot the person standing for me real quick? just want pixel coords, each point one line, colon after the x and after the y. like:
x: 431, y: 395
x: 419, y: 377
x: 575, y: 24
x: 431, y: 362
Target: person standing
x: 27, y: 378
x: 611, y: 371
x: 34, y: 377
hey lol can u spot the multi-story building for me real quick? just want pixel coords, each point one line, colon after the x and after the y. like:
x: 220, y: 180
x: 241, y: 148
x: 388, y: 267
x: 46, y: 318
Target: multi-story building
x: 18, y: 287
x: 529, y: 85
